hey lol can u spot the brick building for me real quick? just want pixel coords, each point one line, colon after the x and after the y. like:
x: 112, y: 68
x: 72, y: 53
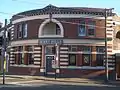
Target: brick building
x: 70, y: 39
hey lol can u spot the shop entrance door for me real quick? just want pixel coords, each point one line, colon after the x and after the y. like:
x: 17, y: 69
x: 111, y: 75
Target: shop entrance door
x: 49, y: 60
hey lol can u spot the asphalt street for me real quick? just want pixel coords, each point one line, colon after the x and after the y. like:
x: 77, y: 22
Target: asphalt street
x: 61, y: 87
x: 49, y: 85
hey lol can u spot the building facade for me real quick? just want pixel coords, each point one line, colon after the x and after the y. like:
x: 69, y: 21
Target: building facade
x: 67, y: 41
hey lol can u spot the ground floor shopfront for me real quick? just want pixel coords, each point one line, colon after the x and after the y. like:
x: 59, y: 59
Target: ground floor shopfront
x: 55, y: 56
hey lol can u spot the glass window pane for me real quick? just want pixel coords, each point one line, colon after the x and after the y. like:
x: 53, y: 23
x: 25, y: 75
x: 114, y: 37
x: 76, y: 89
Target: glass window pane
x: 100, y: 59
x: 86, y: 60
x: 72, y: 59
x: 82, y: 28
x: 30, y: 58
x: 91, y: 28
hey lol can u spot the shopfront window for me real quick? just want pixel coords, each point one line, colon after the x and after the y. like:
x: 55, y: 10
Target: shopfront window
x: 72, y: 59
x: 86, y: 59
x: 100, y: 55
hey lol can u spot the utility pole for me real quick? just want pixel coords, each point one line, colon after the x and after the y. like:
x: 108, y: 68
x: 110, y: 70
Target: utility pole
x: 4, y: 51
x: 106, y: 56
x: 107, y: 11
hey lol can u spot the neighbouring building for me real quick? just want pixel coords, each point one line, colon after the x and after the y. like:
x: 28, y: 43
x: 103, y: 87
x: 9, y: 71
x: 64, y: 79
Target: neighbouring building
x: 0, y: 46
x: 68, y: 41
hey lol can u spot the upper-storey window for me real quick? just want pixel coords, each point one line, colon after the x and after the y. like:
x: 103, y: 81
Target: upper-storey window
x: 82, y: 28
x: 91, y: 28
x: 58, y: 31
x: 22, y: 30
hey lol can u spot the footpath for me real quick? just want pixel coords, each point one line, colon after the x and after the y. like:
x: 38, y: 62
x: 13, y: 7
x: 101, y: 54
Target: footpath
x: 13, y: 79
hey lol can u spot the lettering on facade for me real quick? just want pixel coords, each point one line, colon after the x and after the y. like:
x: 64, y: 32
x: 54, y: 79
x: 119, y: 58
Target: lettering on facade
x: 50, y: 41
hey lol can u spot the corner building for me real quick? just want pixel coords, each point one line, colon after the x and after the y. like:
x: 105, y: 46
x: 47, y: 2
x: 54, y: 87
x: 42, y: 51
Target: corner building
x: 69, y: 41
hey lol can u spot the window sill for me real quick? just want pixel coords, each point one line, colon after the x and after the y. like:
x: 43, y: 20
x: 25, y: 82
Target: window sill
x: 86, y: 67
x: 15, y: 65
x: 50, y: 36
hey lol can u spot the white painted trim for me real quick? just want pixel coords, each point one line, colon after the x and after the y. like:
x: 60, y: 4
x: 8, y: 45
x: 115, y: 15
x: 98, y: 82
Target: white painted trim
x: 42, y: 70
x: 110, y: 61
x: 110, y: 36
x: 116, y: 51
x: 63, y: 63
x: 47, y: 21
x: 38, y: 59
x: 109, y: 28
x: 57, y: 71
x: 27, y: 18
x: 24, y: 42
x: 12, y: 61
x: 63, y: 59
x: 11, y: 55
x: 11, y: 49
x: 50, y: 36
x: 117, y: 23
x: 111, y: 64
x: 12, y: 35
x: 12, y: 29
x: 109, y: 17
x: 84, y: 41
x: 110, y: 22
x: 63, y: 48
x: 85, y: 67
x: 108, y: 25
x: 111, y: 32
x: 37, y: 55
x: 37, y: 63
x: 36, y: 48
x: 24, y: 65
x: 37, y: 51
x: 12, y: 32
x: 63, y: 55
x: 12, y: 58
x: 63, y: 51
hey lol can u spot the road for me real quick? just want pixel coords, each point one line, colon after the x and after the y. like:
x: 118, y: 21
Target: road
x: 50, y: 85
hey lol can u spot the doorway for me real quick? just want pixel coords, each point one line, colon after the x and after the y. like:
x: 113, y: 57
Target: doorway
x: 50, y: 52
x: 49, y: 59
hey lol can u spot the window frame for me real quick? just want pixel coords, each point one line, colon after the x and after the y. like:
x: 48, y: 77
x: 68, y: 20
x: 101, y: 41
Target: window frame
x: 98, y: 59
x: 30, y: 58
x: 100, y: 47
x: 58, y: 30
x: 91, y: 26
x: 22, y: 30
x: 73, y: 64
x: 82, y: 24
x: 72, y: 47
x: 90, y: 60
x: 83, y: 48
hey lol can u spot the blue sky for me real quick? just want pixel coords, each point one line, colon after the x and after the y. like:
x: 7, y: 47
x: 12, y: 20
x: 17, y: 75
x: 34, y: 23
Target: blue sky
x: 16, y: 6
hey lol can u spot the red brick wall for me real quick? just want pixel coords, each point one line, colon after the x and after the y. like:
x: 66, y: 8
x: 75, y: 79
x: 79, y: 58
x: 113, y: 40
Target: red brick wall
x: 70, y: 29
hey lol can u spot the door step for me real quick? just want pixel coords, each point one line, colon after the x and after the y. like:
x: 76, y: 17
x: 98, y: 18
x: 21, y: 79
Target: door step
x: 50, y: 72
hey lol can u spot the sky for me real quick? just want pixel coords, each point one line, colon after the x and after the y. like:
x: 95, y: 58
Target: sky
x: 10, y: 7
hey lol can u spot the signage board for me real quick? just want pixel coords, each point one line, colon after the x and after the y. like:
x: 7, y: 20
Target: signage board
x: 50, y: 41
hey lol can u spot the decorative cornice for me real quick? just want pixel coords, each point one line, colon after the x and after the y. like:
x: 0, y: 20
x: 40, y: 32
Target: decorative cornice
x: 60, y: 10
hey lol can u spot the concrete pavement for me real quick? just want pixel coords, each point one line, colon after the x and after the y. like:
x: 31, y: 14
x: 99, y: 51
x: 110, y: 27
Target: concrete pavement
x: 19, y: 79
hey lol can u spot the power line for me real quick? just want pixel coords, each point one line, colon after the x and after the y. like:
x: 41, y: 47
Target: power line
x: 28, y: 2
x: 23, y: 16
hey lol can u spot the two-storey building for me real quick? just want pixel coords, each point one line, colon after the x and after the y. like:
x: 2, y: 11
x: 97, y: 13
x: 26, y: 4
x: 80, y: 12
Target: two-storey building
x: 67, y: 40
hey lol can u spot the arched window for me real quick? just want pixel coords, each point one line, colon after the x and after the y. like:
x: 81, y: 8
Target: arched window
x: 118, y: 35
